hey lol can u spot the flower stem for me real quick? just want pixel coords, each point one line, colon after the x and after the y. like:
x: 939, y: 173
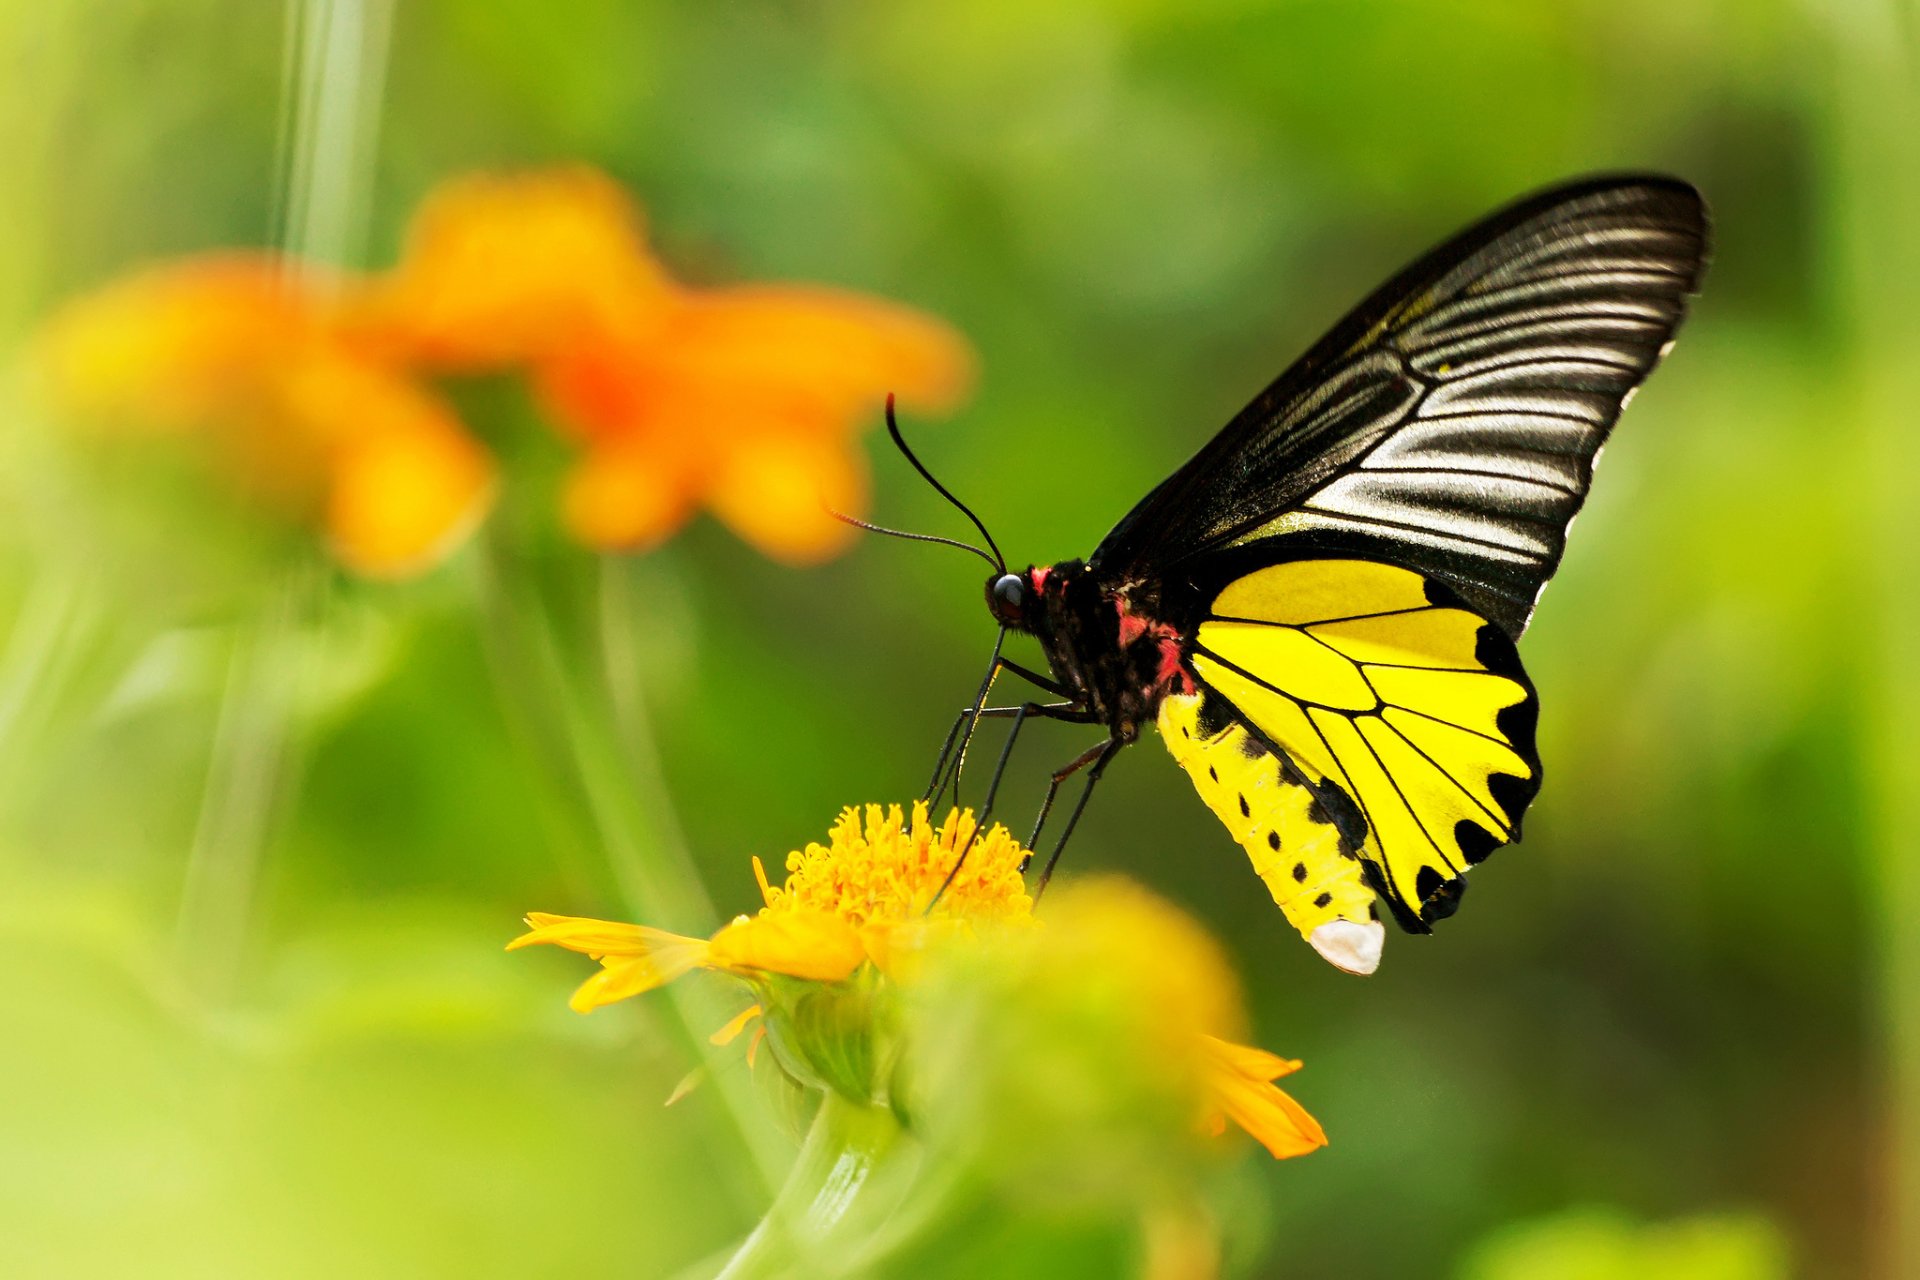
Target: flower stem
x: 596, y: 749
x: 251, y: 763
x: 852, y: 1171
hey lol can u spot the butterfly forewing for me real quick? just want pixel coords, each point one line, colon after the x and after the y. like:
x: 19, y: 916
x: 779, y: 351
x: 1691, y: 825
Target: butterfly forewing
x: 1449, y: 423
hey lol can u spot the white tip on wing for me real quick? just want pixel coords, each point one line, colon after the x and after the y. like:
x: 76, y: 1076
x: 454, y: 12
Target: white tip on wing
x: 1351, y: 946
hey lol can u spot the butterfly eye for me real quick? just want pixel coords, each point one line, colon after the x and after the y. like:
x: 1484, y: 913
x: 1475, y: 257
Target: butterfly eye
x: 1007, y: 597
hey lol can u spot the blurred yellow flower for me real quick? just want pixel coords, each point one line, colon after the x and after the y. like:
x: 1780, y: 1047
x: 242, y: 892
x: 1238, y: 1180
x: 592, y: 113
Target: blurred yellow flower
x: 311, y: 391
x: 856, y: 921
x: 1116, y: 1022
x: 746, y: 399
x: 243, y: 351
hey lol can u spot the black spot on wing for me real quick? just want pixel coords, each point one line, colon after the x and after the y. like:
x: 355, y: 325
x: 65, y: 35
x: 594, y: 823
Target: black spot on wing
x: 1252, y: 747
x: 1403, y: 915
x: 1442, y: 596
x: 1475, y: 841
x: 1342, y: 812
x: 1494, y: 650
x: 1513, y: 795
x: 1444, y: 897
x: 1428, y: 882
x: 1517, y: 724
x: 1216, y: 715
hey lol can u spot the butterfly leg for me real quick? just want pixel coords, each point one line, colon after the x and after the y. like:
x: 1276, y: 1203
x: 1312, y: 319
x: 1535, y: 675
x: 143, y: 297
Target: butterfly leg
x: 1098, y: 757
x: 948, y: 767
x: 1067, y: 711
x: 1060, y: 775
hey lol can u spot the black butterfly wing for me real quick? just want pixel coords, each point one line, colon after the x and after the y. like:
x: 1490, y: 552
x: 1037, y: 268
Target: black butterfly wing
x: 1451, y: 421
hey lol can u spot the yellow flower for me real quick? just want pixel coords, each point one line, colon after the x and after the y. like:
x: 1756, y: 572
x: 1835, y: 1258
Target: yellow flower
x: 864, y: 896
x: 1117, y: 974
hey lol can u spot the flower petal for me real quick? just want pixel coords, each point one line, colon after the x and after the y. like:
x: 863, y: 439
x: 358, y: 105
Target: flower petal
x: 774, y: 489
x: 1248, y: 1060
x: 503, y: 269
x: 814, y: 945
x: 1239, y: 1088
x: 735, y: 1025
x: 175, y: 345
x: 621, y: 977
x: 822, y: 351
x: 409, y: 488
x: 602, y: 937
x: 622, y: 498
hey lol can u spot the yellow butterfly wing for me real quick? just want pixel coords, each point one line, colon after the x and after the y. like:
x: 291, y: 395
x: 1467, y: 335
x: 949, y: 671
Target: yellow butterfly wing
x: 1358, y: 728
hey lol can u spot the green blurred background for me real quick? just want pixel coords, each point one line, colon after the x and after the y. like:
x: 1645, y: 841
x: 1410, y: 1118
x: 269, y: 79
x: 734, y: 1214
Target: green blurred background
x: 263, y: 833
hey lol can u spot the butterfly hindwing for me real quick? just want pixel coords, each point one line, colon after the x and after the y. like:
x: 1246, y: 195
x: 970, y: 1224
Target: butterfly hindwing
x: 1387, y: 692
x: 1298, y: 850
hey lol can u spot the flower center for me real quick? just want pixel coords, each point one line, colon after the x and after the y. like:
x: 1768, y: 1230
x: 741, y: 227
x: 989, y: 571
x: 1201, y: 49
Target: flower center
x: 878, y: 869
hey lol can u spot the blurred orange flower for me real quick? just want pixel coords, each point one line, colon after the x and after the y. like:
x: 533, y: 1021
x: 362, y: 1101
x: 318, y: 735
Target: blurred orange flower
x: 244, y: 350
x: 745, y: 400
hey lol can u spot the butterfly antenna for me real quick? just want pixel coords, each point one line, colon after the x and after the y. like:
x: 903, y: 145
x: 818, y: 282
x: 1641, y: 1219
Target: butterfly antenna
x: 913, y: 537
x: 900, y: 443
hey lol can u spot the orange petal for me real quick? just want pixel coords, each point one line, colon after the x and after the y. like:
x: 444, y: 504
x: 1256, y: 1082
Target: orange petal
x: 177, y: 344
x: 501, y: 269
x: 1239, y: 1089
x: 1249, y: 1060
x: 829, y: 350
x: 409, y: 490
x: 626, y: 498
x: 815, y: 945
x: 774, y: 490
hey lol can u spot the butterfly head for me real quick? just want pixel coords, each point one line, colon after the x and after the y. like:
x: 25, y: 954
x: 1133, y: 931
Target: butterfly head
x: 1016, y: 599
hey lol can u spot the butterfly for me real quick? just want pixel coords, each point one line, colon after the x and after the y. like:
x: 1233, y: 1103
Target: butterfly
x: 1319, y: 610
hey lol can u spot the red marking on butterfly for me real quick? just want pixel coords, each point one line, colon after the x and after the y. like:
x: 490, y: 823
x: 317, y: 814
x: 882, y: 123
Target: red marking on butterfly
x: 1039, y: 577
x: 1134, y: 626
x: 1171, y: 667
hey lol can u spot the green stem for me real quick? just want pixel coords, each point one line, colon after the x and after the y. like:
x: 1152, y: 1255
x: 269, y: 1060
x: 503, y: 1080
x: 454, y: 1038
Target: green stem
x: 250, y: 764
x: 606, y: 775
x: 56, y: 631
x: 852, y: 1171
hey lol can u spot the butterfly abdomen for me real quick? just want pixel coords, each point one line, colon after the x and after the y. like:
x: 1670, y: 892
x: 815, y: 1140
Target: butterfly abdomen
x: 1295, y: 848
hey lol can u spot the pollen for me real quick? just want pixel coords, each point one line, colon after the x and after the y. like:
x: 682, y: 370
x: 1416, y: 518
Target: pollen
x: 878, y: 869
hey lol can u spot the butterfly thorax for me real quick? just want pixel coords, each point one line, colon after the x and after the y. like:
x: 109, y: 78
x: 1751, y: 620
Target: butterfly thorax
x: 1106, y: 645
